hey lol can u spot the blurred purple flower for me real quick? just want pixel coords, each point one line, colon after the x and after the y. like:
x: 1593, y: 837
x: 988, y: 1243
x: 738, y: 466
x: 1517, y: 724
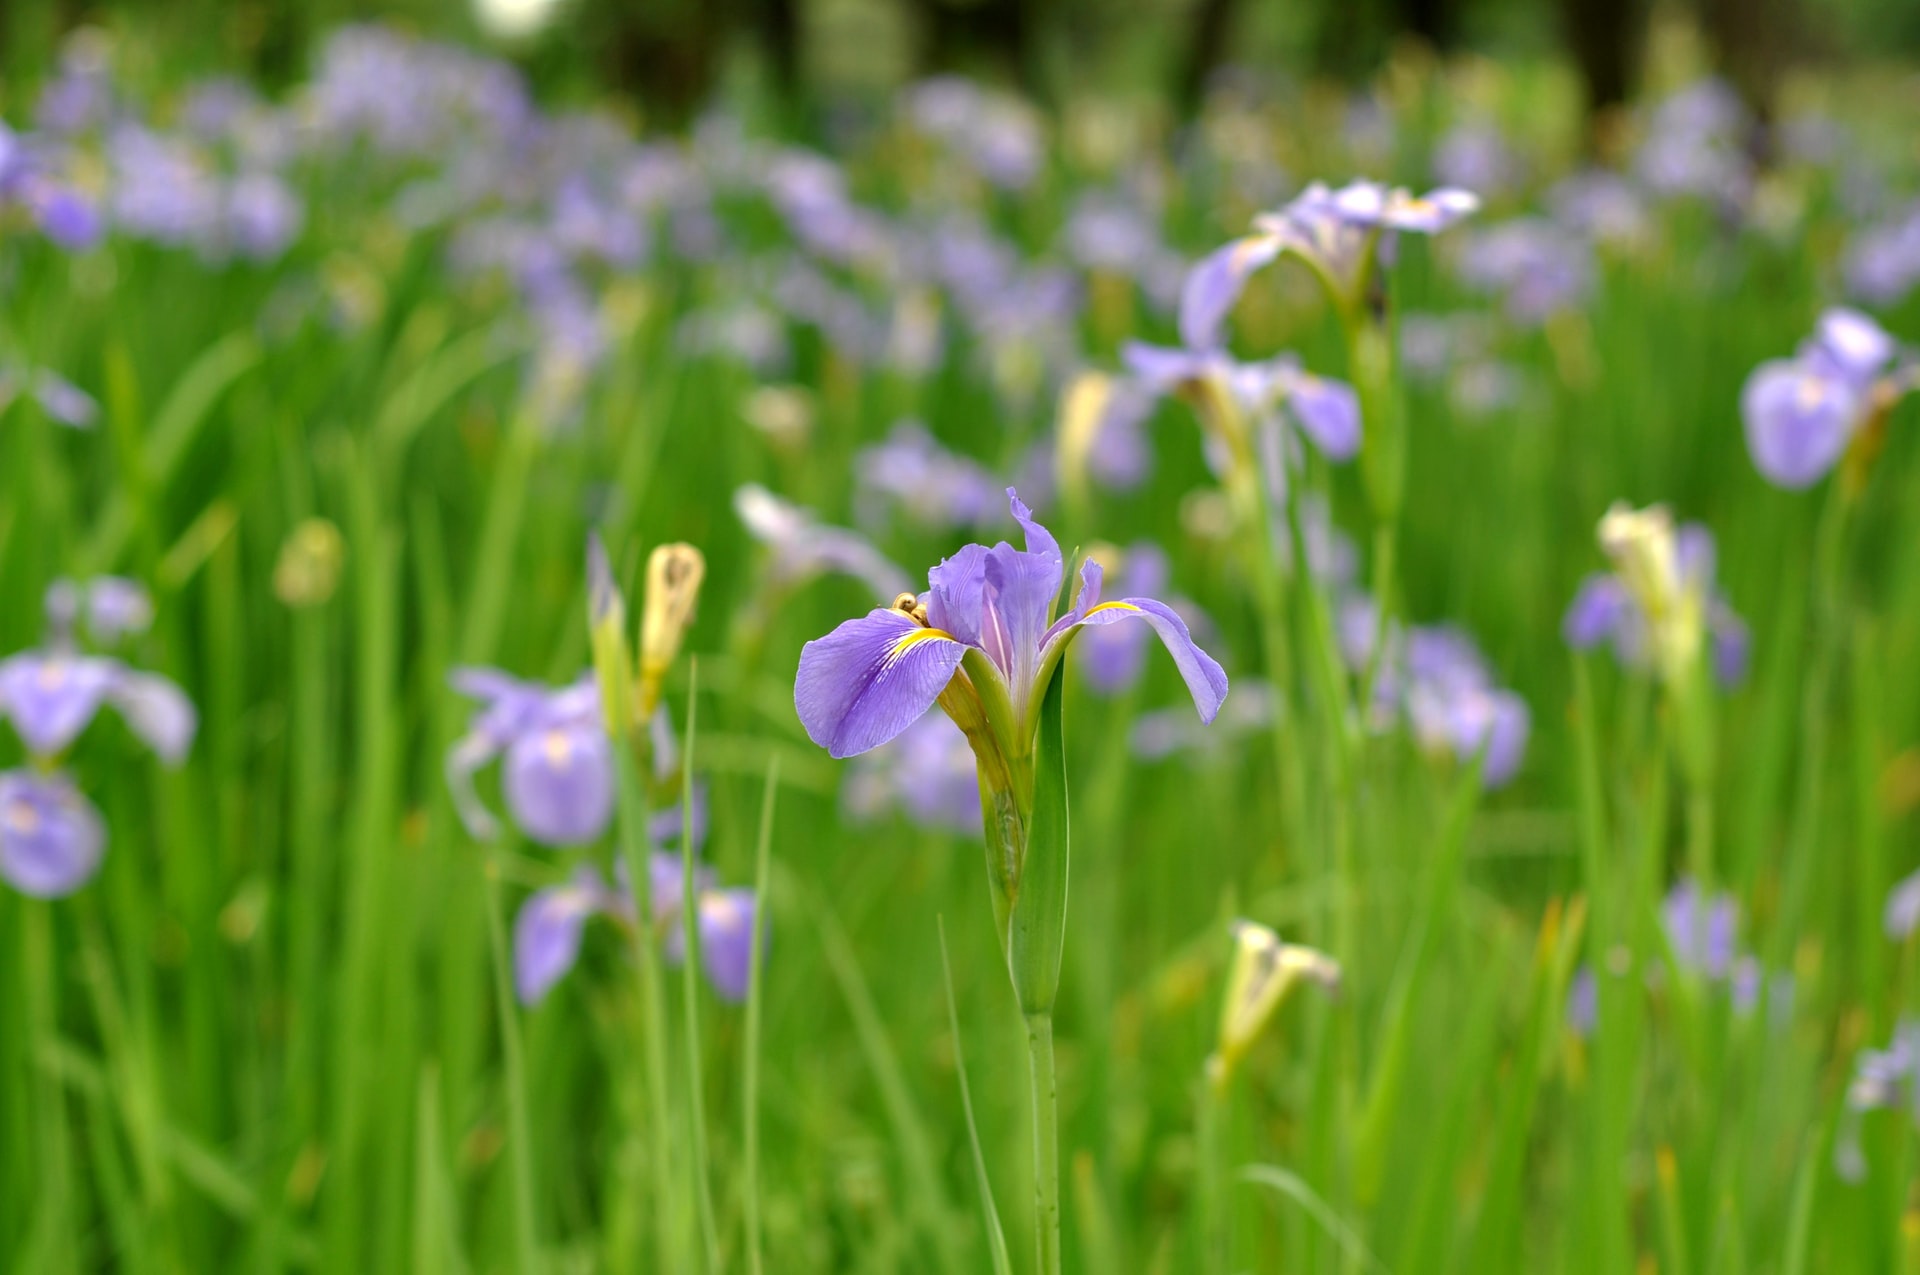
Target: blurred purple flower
x: 52, y: 695
x: 927, y: 773
x: 1883, y: 1079
x: 1477, y: 157
x: 558, y: 777
x: 51, y: 837
x: 1583, y: 1002
x: 1605, y: 612
x: 1801, y: 413
x: 1902, y: 915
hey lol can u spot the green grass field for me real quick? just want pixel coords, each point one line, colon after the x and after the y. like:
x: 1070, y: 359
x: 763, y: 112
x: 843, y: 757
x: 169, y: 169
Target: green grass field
x: 278, y: 1029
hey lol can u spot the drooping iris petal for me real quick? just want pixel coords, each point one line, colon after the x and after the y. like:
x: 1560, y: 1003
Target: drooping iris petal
x: 1328, y: 412
x: 1798, y: 421
x: 1596, y: 612
x: 727, y: 918
x: 666, y: 875
x: 870, y: 679
x: 559, y: 783
x: 1857, y: 345
x: 157, y: 711
x: 465, y: 760
x: 546, y: 934
x: 1214, y: 285
x: 1206, y: 680
x: 51, y: 696
x: 51, y: 837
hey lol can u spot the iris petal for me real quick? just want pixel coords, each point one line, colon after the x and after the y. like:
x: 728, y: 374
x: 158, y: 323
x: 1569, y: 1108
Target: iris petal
x: 546, y: 934
x: 51, y: 837
x: 1205, y: 679
x: 870, y: 679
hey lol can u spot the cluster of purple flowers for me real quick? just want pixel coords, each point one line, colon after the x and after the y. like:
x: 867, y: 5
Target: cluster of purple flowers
x: 1435, y: 680
x: 1802, y: 413
x: 547, y: 932
x: 558, y: 781
x: 51, y: 837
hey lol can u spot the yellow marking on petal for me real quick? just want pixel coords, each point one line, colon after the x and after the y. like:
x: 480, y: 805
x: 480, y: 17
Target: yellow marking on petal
x: 22, y: 819
x: 558, y: 747
x: 913, y: 637
x: 1115, y: 606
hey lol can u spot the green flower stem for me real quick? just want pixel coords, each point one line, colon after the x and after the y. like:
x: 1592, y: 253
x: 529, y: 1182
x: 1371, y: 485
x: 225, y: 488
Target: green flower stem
x: 690, y: 989
x: 1046, y: 1144
x: 519, y: 1128
x: 661, y: 1174
x: 1210, y: 1105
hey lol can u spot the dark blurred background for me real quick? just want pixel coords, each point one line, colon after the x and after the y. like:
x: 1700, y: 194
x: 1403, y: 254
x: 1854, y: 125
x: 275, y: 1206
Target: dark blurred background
x: 669, y: 57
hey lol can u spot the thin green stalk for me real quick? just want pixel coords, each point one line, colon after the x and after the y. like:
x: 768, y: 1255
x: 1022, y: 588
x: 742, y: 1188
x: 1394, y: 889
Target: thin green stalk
x: 1611, y: 1061
x: 520, y: 1158
x: 690, y: 990
x: 996, y: 1238
x: 1046, y: 1144
x: 635, y: 847
x: 750, y: 1082
x: 1215, y: 1237
x: 499, y: 529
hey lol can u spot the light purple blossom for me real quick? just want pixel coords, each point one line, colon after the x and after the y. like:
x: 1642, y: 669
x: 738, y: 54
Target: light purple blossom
x: 873, y: 677
x: 558, y: 777
x: 1883, y: 1080
x: 1583, y: 1002
x: 1476, y: 156
x: 1801, y: 413
x: 1902, y: 915
x: 52, y: 695
x: 51, y: 837
x: 112, y: 607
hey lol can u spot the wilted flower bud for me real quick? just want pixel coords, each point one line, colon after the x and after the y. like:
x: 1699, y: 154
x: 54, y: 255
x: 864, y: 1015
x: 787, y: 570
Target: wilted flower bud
x: 607, y: 630
x: 1264, y: 971
x: 1645, y: 553
x: 674, y: 573
x: 308, y: 569
x: 1083, y: 408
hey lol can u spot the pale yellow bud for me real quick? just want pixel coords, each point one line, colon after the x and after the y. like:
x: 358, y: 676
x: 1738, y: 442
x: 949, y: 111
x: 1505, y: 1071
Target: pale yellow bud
x: 1264, y: 970
x: 308, y: 569
x: 1644, y: 549
x: 674, y: 573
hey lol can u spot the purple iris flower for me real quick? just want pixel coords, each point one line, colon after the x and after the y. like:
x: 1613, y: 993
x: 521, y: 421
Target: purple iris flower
x: 51, y: 837
x: 547, y: 931
x: 1883, y: 264
x: 1327, y: 411
x: 1801, y: 413
x: 1883, y: 1080
x: 1335, y: 231
x: 112, y: 606
x: 62, y: 400
x: 927, y: 773
x: 52, y: 695
x: 803, y: 548
x: 1604, y: 206
x: 724, y: 920
x: 871, y: 678
x: 1436, y: 679
x: 66, y: 215
x: 558, y: 777
x: 263, y: 216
